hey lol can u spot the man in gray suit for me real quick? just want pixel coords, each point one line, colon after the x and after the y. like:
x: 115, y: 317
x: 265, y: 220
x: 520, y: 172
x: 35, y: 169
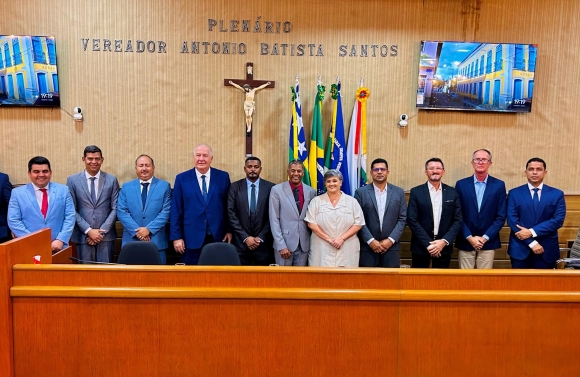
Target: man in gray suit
x: 288, y: 204
x: 385, y: 210
x: 94, y: 194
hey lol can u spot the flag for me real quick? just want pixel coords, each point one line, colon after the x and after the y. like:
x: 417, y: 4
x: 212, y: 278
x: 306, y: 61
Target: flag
x: 316, y: 154
x: 297, y: 142
x: 357, y: 141
x: 336, y: 157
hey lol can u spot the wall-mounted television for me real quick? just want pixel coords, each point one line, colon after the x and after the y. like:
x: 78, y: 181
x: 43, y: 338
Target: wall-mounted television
x: 476, y: 76
x: 28, y: 75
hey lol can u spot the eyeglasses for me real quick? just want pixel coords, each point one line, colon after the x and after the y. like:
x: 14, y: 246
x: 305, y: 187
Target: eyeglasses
x: 379, y: 170
x: 481, y: 160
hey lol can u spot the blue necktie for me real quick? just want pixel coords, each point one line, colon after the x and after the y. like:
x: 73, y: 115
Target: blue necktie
x: 93, y: 193
x: 144, y: 193
x: 203, y: 188
x: 253, y: 200
x: 536, y: 199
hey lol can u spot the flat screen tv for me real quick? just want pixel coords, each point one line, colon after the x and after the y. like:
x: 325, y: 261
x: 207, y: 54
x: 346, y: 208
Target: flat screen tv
x: 28, y: 74
x: 476, y: 76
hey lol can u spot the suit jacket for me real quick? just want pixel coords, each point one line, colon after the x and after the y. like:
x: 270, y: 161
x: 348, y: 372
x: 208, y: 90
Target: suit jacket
x: 546, y: 222
x: 420, y: 218
x: 5, y: 191
x: 190, y: 215
x: 154, y: 216
x: 24, y: 214
x: 239, y: 214
x: 394, y: 217
x: 489, y: 220
x: 99, y: 215
x: 287, y: 224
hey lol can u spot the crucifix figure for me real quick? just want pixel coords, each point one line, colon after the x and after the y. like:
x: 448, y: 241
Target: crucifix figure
x: 249, y: 86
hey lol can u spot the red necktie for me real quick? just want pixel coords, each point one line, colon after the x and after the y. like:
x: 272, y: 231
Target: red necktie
x: 44, y: 207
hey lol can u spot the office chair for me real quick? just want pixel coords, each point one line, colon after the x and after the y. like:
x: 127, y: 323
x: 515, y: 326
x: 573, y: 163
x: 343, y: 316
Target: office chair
x: 140, y: 253
x: 219, y: 254
x: 572, y: 259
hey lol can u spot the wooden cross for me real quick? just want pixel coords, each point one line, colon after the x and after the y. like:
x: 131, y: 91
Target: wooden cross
x: 250, y: 87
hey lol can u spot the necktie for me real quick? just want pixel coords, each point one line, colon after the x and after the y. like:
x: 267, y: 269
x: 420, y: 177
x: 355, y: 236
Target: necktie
x: 144, y: 193
x: 253, y: 200
x: 44, y: 206
x: 297, y: 198
x: 536, y: 199
x: 203, y: 188
x: 93, y: 192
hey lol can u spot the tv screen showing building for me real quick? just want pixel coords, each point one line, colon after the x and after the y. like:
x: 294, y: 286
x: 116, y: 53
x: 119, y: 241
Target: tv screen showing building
x: 476, y: 76
x: 28, y: 75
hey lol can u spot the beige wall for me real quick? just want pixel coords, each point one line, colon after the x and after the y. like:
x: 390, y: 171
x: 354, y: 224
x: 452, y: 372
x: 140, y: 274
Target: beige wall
x: 165, y: 104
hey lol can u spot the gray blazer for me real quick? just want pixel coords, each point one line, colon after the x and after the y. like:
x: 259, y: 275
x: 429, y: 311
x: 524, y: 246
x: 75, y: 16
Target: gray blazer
x: 393, y: 220
x: 99, y: 215
x: 287, y: 225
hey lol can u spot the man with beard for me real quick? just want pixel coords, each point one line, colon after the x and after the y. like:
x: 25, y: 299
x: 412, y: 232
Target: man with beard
x: 434, y: 217
x: 288, y: 204
x: 248, y: 213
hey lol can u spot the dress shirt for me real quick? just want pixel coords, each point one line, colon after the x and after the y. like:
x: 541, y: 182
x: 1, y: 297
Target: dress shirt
x: 437, y: 205
x: 531, y: 188
x: 300, y: 192
x: 97, y: 177
x: 149, y: 187
x: 480, y: 187
x: 381, y: 197
x: 257, y: 188
x: 39, y: 194
x: 207, y: 179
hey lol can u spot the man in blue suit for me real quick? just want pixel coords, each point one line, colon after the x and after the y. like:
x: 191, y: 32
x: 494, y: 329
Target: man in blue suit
x: 42, y: 204
x: 143, y: 207
x: 5, y: 191
x: 199, y: 207
x: 535, y: 213
x: 483, y: 209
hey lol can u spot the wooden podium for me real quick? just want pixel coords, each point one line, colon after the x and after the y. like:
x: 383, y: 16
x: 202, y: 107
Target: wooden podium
x: 87, y: 320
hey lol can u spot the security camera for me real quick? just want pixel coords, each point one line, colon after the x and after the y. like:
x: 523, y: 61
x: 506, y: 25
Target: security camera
x: 403, y: 121
x: 78, y: 114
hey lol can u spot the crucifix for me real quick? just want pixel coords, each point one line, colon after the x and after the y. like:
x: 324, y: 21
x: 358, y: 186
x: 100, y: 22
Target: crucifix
x: 249, y: 86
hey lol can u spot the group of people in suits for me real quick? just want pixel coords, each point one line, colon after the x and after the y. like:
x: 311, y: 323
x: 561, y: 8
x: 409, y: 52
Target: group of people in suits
x: 286, y: 223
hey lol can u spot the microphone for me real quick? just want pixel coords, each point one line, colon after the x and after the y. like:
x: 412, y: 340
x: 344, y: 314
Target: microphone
x: 91, y: 262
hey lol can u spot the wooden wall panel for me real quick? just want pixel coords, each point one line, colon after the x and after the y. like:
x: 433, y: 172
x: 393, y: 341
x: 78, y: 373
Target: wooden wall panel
x: 165, y: 104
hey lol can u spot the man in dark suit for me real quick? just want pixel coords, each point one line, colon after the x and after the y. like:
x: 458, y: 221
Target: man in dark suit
x: 199, y: 213
x: 483, y: 209
x: 94, y: 194
x: 5, y: 191
x: 535, y: 213
x: 248, y: 214
x: 434, y: 217
x: 385, y: 210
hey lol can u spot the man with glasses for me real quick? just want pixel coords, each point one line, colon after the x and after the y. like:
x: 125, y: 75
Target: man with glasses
x: 483, y: 209
x: 434, y: 217
x: 385, y: 210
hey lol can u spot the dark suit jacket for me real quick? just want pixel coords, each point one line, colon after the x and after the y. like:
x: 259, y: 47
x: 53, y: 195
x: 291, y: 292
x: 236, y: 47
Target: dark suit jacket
x: 239, y: 214
x: 546, y: 222
x: 5, y: 191
x: 420, y: 218
x: 393, y: 219
x: 489, y: 220
x: 190, y: 215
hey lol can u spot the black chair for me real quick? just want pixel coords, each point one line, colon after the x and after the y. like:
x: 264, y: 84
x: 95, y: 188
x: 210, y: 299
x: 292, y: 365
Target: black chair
x: 140, y: 253
x: 219, y: 254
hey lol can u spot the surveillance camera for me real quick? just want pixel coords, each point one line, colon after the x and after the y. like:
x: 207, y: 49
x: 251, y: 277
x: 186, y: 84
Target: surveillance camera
x: 78, y: 114
x: 403, y: 121
x: 77, y: 110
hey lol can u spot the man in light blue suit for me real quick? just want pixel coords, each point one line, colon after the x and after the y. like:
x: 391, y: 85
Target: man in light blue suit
x: 199, y: 207
x: 535, y: 213
x: 94, y: 194
x: 143, y: 207
x: 483, y: 208
x: 42, y: 204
